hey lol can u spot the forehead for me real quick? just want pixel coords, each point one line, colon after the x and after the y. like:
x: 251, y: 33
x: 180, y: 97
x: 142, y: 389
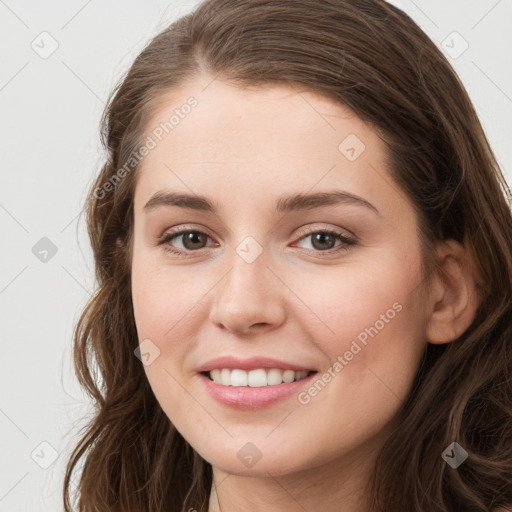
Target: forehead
x: 274, y: 118
x: 259, y: 143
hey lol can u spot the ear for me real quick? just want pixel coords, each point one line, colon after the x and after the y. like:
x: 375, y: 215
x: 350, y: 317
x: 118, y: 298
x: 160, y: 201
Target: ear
x: 454, y: 296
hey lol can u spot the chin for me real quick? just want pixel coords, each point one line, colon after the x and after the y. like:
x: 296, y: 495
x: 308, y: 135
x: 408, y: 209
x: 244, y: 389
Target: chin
x: 256, y: 459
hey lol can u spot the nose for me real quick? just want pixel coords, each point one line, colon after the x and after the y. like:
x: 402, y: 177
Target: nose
x: 249, y: 298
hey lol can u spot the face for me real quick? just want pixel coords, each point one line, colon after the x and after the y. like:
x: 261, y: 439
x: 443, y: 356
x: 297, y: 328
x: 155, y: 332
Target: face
x: 252, y: 278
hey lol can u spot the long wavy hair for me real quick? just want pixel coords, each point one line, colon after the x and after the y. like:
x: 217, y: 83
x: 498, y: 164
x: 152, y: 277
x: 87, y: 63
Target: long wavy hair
x: 373, y: 58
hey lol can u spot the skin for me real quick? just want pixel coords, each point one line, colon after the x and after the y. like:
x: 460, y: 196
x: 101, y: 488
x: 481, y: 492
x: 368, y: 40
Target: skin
x: 243, y: 149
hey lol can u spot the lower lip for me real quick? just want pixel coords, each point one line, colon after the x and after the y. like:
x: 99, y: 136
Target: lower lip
x: 246, y: 397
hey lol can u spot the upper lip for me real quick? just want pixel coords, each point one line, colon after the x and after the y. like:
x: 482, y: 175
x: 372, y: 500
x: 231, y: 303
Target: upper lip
x: 251, y: 363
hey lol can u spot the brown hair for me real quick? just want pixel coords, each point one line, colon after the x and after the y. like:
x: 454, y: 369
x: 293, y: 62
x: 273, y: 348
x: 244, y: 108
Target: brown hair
x: 371, y: 57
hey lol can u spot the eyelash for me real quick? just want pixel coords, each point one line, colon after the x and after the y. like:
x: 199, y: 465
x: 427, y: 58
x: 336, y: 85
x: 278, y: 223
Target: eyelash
x: 344, y: 247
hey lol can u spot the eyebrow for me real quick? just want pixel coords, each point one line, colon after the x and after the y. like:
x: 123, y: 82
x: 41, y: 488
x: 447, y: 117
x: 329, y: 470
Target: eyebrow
x: 294, y: 202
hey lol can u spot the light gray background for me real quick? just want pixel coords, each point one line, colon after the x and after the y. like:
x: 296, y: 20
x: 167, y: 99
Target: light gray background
x: 50, y: 110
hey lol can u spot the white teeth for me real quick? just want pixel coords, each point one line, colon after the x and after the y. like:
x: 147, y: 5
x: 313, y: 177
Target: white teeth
x: 238, y: 378
x: 255, y: 378
x: 274, y: 376
x: 225, y: 377
x: 288, y: 376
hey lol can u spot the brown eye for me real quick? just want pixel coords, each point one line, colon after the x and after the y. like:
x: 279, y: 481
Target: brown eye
x: 324, y: 240
x: 193, y: 240
x: 190, y: 241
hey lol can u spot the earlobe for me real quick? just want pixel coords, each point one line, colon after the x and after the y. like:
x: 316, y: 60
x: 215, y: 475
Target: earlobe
x: 454, y: 297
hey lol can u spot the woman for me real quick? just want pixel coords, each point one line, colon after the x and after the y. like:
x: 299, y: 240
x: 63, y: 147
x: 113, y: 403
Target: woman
x: 304, y: 257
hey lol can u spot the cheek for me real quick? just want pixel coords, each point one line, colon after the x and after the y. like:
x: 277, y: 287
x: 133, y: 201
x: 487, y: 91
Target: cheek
x: 162, y: 303
x: 370, y: 317
x: 161, y: 297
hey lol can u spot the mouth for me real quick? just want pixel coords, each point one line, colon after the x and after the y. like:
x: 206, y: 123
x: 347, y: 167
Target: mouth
x: 254, y: 389
x: 256, y: 378
x: 254, y: 382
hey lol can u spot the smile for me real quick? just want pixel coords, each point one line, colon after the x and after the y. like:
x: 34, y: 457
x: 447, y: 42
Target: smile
x: 254, y: 382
